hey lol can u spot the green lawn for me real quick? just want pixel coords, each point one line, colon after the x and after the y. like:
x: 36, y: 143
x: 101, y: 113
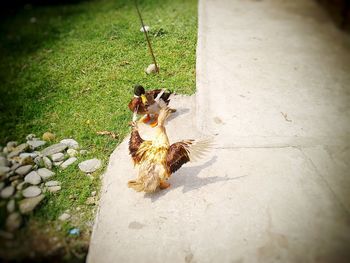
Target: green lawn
x: 69, y: 69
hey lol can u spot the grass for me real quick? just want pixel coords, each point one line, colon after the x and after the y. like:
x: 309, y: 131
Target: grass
x: 69, y: 69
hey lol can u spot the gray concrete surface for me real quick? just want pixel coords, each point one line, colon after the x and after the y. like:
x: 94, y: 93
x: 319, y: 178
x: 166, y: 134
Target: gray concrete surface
x: 273, y: 88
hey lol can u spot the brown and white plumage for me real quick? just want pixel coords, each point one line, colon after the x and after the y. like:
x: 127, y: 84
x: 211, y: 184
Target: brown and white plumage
x: 157, y: 159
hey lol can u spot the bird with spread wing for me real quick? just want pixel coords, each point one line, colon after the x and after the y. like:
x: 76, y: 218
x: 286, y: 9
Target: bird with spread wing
x: 157, y: 159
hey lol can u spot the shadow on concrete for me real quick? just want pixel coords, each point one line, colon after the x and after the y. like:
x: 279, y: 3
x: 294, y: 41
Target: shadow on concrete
x: 179, y: 112
x: 189, y: 179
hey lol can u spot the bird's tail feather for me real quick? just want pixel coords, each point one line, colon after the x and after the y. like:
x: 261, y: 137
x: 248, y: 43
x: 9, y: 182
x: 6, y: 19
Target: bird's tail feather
x: 137, y: 186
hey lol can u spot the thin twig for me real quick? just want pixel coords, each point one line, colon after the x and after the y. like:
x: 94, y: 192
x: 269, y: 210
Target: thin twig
x: 147, y: 38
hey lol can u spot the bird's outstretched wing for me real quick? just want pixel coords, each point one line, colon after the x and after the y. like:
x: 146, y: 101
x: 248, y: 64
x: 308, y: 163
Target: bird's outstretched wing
x: 134, y: 143
x: 185, y: 151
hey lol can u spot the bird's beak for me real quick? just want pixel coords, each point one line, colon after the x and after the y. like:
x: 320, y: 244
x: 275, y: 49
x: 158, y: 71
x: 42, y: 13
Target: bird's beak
x: 144, y: 99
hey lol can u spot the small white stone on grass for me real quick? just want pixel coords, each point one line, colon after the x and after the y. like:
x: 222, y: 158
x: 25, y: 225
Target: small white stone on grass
x: 31, y: 191
x: 30, y: 137
x: 7, y: 192
x: 57, y: 157
x: 68, y: 162
x: 33, y: 178
x: 90, y: 166
x: 143, y: 29
x: 45, y: 173
x: 151, y: 69
x: 72, y: 152
x: 71, y: 143
x: 93, y: 193
x: 57, y: 163
x: 52, y: 183
x: 83, y: 152
x: 64, y: 217
x: 54, y: 189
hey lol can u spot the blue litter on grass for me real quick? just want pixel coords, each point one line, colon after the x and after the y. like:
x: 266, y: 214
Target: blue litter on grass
x: 74, y: 231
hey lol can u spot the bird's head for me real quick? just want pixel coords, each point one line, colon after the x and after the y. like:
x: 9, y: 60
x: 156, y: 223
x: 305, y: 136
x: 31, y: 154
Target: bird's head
x: 139, y: 91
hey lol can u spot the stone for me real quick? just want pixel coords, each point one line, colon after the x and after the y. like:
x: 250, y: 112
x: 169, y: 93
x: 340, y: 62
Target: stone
x: 57, y: 157
x: 4, y: 170
x: 13, y: 222
x: 39, y: 161
x: 145, y: 28
x: 33, y: 178
x: 7, y: 192
x: 83, y: 152
x: 11, y: 206
x: 54, y: 189
x: 71, y: 143
x: 15, y: 165
x: 11, y: 145
x: 68, y: 162
x: 57, y: 163
x: 26, y: 160
x: 93, y: 193
x: 64, y: 217
x: 90, y: 201
x: 72, y: 152
x: 52, y: 183
x: 48, y: 136
x: 20, y: 186
x: 14, y: 183
x: 35, y: 144
x: 5, y: 151
x: 90, y: 166
x: 45, y: 173
x: 24, y: 155
x: 23, y: 170
x: 31, y: 191
x: 6, y: 235
x: 27, y: 205
x: 14, y: 178
x: 151, y: 69
x: 19, y: 149
x: 4, y: 161
x: 55, y: 148
x: 47, y: 162
x: 30, y: 137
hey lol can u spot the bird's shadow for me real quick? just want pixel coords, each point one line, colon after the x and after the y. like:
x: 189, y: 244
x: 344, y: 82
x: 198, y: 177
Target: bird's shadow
x: 178, y: 112
x: 188, y: 178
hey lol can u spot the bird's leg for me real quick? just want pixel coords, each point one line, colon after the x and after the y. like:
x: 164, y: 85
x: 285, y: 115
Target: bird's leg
x: 154, y: 123
x: 164, y: 185
x: 145, y: 118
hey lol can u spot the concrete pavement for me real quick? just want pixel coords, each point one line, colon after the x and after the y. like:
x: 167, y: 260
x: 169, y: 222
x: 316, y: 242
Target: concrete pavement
x: 273, y: 88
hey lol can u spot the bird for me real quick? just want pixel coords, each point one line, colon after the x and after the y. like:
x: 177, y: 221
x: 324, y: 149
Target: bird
x: 149, y: 103
x: 156, y: 159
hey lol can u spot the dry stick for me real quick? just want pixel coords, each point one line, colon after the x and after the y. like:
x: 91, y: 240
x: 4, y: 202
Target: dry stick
x: 149, y: 43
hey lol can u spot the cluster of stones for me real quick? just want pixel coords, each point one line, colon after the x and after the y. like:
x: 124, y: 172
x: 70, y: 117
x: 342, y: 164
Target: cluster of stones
x: 26, y: 173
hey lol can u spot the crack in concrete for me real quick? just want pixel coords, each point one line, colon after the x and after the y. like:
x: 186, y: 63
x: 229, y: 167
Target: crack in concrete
x: 338, y: 200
